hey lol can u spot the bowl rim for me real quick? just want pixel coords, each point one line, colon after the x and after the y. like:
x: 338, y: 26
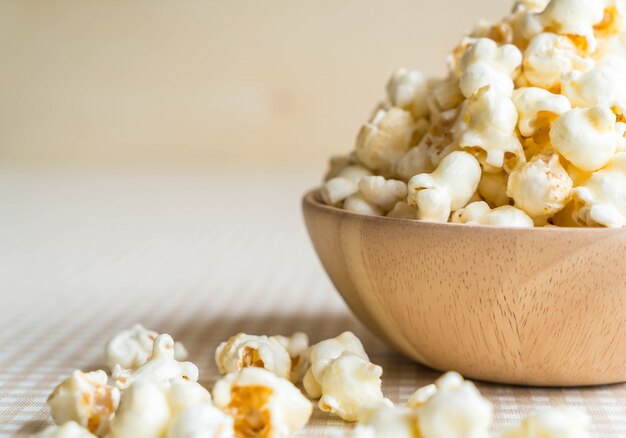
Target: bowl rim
x: 312, y: 199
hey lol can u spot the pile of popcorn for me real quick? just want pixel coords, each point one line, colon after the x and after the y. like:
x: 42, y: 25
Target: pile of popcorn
x: 153, y: 393
x: 528, y: 128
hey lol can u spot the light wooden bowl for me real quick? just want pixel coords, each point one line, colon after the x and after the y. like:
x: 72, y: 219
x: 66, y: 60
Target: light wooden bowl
x: 543, y: 306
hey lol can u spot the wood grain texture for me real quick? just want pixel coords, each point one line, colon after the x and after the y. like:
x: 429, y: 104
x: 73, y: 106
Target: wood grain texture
x: 543, y: 307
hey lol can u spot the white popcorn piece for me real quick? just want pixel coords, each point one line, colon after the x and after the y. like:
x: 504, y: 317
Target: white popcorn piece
x: 421, y: 396
x: 408, y: 89
x: 600, y: 86
x: 143, y: 413
x: 541, y: 187
x: 161, y: 366
x: 442, y: 138
x: 201, y: 421
x: 343, y: 184
x: 383, y: 193
x: 402, y: 210
x: 479, y: 213
x: 297, y: 346
x: 416, y: 160
x: 131, y: 348
x: 70, y: 429
x: 537, y: 109
x: 574, y: 18
x: 492, y: 188
x: 383, y: 420
x: 456, y: 410
x: 347, y: 383
x: 342, y: 375
x: 559, y: 422
x: 548, y: 56
x: 86, y: 399
x: 585, y: 137
x: 447, y: 189
x: 262, y: 404
x: 244, y: 350
x: 358, y: 204
x: 491, y: 130
x: 601, y: 200
x: 182, y: 394
x: 486, y: 64
x: 385, y: 138
x: 444, y: 95
x: 531, y: 5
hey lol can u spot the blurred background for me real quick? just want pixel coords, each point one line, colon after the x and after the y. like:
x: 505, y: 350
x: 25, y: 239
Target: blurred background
x: 158, y: 82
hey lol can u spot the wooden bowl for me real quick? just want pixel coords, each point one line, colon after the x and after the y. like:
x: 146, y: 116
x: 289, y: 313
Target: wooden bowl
x: 543, y: 306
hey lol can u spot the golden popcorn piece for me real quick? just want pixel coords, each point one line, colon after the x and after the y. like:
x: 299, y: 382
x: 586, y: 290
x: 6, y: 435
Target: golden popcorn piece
x: 262, y: 404
x: 86, y: 399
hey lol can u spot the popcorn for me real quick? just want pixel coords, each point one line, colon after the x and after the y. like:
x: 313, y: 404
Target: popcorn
x: 560, y: 422
x: 585, y: 137
x: 201, y: 421
x: 71, y: 429
x: 131, y: 348
x: 447, y: 189
x: 358, y: 204
x: 383, y: 420
x: 182, y: 394
x: 600, y: 86
x: 342, y: 375
x: 402, y: 210
x: 548, y: 56
x: 415, y: 160
x: 491, y: 130
x: 297, y: 346
x: 486, y: 64
x: 86, y: 399
x: 384, y: 139
x: 408, y: 89
x: 574, y: 18
x: 381, y: 192
x: 601, y: 200
x: 144, y: 412
x: 244, y: 350
x: 444, y: 96
x: 160, y: 367
x: 479, y: 213
x: 492, y: 188
x: 261, y: 403
x: 541, y: 187
x: 456, y: 410
x: 421, y: 396
x: 343, y: 184
x: 537, y: 109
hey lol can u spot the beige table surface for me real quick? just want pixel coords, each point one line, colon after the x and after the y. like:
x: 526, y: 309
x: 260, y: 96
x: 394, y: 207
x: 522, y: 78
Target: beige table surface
x: 200, y: 254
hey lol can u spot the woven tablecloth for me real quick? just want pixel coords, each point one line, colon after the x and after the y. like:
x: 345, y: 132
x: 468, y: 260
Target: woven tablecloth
x: 198, y: 253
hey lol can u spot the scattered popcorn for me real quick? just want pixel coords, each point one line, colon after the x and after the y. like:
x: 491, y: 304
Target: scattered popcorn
x: 161, y: 366
x: 486, y: 64
x: 201, y: 421
x: 447, y: 189
x: 492, y: 188
x: 342, y: 375
x: 262, y: 404
x: 491, y: 130
x: 71, y: 429
x: 131, y: 348
x: 601, y: 200
x: 479, y: 213
x: 541, y: 187
x: 385, y: 138
x: 560, y: 422
x: 585, y: 137
x: 86, y: 399
x: 421, y: 396
x: 297, y: 346
x: 537, y: 109
x: 383, y: 420
x: 244, y: 350
x: 408, y: 89
x: 456, y: 410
